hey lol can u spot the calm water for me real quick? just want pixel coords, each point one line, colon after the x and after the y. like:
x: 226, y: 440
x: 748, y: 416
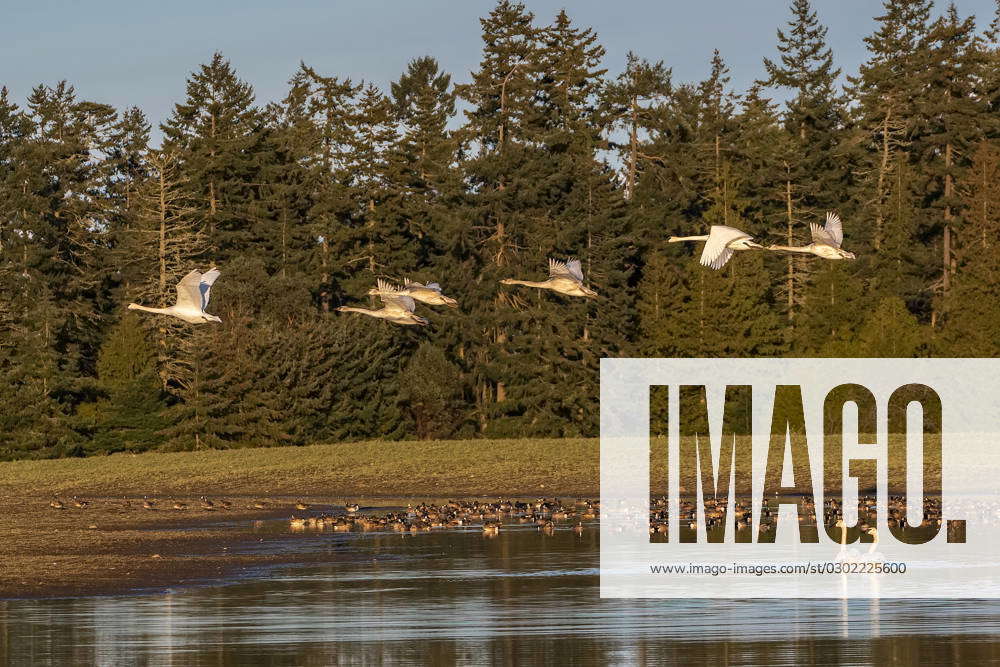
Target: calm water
x: 457, y: 597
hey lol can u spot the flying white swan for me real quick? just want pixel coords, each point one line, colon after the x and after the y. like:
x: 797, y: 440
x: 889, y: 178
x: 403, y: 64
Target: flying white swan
x: 564, y: 277
x: 825, y: 240
x: 720, y: 244
x: 429, y: 293
x: 398, y: 309
x: 193, y: 292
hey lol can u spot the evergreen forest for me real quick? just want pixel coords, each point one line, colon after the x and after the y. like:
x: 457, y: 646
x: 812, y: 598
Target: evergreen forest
x: 303, y: 202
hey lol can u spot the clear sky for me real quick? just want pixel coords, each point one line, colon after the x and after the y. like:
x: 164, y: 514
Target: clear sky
x: 137, y: 52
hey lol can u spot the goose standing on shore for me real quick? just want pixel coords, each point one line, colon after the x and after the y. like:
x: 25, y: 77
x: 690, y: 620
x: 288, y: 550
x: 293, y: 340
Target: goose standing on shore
x: 720, y: 244
x: 398, y: 309
x: 564, y: 277
x: 825, y: 240
x: 193, y: 292
x: 429, y: 293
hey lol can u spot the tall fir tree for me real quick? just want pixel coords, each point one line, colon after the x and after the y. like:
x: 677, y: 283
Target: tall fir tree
x: 817, y: 174
x: 949, y: 116
x: 973, y: 309
x: 217, y: 133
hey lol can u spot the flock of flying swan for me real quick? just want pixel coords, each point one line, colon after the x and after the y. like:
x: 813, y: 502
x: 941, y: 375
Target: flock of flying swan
x: 565, y: 277
x: 722, y: 241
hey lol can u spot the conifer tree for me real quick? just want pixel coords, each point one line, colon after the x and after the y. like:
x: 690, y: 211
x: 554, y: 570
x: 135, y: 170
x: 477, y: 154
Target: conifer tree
x: 431, y: 392
x: 217, y: 134
x: 305, y: 201
x: 949, y: 114
x: 630, y: 102
x: 973, y: 309
x: 815, y: 112
x: 424, y: 102
x: 289, y: 185
x: 815, y: 174
x: 885, y: 123
x: 989, y: 77
x: 331, y: 110
x: 164, y: 241
x: 889, y: 330
x: 128, y: 417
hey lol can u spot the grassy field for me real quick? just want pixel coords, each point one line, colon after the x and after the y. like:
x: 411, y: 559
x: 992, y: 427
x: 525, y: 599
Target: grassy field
x: 370, y: 469
x: 545, y: 467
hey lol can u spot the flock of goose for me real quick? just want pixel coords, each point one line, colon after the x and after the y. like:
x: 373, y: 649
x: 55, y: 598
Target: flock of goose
x: 565, y: 277
x: 832, y: 513
x: 490, y: 517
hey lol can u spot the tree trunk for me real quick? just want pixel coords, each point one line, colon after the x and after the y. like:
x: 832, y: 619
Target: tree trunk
x: 501, y: 338
x: 324, y: 294
x: 284, y: 240
x: 718, y: 154
x: 633, y: 152
x: 791, y: 263
x: 946, y: 263
x: 212, y: 205
x: 161, y: 329
x: 882, y: 172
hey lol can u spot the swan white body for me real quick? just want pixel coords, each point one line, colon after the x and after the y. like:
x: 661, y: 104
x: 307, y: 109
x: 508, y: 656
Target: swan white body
x: 398, y: 309
x: 873, y: 556
x: 720, y: 244
x: 193, y: 292
x: 826, y: 240
x: 429, y: 293
x: 564, y: 278
x: 845, y: 555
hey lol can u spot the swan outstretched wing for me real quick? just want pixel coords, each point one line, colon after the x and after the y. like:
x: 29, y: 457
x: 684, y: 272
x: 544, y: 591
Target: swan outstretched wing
x: 718, y: 261
x: 412, y: 283
x: 398, y: 303
x: 561, y: 269
x: 834, y: 227
x: 717, y: 252
x: 557, y: 269
x: 205, y: 285
x: 575, y: 269
x: 832, y: 234
x: 189, y: 290
x: 385, y: 286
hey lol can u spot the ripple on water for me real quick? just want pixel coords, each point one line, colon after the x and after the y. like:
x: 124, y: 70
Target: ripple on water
x: 455, y: 597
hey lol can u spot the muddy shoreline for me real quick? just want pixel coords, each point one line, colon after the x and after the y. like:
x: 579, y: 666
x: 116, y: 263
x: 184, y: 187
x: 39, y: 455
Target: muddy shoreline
x: 115, y: 546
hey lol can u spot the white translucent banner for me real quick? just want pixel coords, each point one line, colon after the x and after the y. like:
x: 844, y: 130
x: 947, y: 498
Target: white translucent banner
x: 861, y: 524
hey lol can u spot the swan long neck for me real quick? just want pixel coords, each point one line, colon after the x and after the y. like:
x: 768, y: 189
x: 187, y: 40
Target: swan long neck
x: 528, y: 283
x: 790, y: 248
x: 162, y: 311
x: 363, y: 311
x: 843, y: 535
x: 871, y: 549
x: 677, y: 239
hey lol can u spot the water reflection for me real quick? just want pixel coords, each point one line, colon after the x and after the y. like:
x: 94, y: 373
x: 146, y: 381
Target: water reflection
x: 456, y: 597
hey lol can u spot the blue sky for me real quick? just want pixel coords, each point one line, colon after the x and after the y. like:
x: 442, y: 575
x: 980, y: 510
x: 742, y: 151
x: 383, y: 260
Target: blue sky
x: 139, y: 53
